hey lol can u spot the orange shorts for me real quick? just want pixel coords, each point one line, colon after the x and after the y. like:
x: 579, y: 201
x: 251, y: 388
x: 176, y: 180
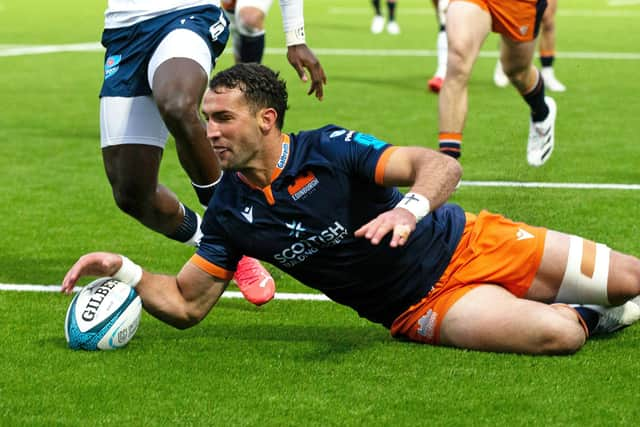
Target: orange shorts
x: 517, y: 19
x: 492, y: 250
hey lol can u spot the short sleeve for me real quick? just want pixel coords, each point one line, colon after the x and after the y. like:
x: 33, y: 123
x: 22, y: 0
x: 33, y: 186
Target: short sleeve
x: 215, y: 254
x: 359, y: 153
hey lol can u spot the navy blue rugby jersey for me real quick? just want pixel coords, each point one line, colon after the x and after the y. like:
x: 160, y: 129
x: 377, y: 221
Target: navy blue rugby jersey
x: 327, y: 185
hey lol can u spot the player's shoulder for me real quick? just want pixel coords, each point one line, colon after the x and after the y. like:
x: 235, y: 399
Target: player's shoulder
x: 333, y: 142
x: 332, y: 136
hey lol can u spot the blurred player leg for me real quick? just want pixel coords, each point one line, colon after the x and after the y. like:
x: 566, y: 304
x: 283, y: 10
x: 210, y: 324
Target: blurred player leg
x: 467, y: 27
x: 517, y: 58
x: 392, y: 25
x: 500, y: 79
x: 377, y: 24
x: 247, y: 29
x: 548, y: 47
x: 435, y: 83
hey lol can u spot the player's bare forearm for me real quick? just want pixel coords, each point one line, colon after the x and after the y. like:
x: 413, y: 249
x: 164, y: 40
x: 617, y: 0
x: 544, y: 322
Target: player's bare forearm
x: 425, y: 171
x: 180, y: 301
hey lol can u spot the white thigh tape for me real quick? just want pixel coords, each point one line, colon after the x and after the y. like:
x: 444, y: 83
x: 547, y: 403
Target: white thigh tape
x: 585, y: 279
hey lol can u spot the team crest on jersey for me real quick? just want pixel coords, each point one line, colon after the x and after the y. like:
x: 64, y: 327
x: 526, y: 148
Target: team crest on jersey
x: 303, y: 185
x: 111, y: 65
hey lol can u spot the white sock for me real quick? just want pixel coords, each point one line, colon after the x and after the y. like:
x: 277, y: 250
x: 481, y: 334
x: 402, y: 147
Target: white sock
x: 442, y: 54
x: 197, y: 236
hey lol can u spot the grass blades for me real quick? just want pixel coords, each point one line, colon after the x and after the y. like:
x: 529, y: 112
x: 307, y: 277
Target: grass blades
x: 306, y: 362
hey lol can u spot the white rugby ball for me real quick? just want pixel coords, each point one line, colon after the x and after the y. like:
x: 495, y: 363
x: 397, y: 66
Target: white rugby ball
x: 104, y: 315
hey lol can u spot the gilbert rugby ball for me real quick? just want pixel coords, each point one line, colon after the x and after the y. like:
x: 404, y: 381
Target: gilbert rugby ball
x: 104, y: 315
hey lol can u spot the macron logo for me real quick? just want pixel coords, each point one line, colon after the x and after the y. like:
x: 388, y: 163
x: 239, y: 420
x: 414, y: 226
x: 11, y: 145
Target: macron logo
x: 523, y: 235
x: 247, y: 213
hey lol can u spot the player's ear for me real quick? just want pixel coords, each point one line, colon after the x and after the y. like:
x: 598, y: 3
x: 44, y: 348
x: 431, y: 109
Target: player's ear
x: 267, y: 118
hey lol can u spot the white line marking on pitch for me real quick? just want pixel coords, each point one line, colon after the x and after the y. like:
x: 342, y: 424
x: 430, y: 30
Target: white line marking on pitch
x: 565, y: 185
x: 227, y: 294
x: 12, y: 50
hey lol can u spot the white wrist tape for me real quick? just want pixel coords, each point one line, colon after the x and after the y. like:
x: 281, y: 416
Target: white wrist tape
x: 415, y: 203
x: 295, y: 36
x: 213, y: 184
x: 130, y: 273
x: 293, y: 21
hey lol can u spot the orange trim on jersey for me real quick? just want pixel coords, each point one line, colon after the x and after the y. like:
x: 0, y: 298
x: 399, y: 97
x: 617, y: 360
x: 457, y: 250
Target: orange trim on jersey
x: 268, y: 194
x: 382, y: 164
x: 450, y: 136
x: 282, y: 162
x: 210, y: 268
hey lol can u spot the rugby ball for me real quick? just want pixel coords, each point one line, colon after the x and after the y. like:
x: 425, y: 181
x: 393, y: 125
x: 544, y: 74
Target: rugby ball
x: 104, y: 315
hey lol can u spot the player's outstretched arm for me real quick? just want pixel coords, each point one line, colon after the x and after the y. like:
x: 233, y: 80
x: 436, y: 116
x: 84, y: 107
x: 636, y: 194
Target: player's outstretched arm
x: 301, y: 57
x: 298, y: 53
x: 432, y: 178
x: 181, y: 301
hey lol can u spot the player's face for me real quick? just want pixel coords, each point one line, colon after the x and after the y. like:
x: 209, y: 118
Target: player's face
x: 232, y: 128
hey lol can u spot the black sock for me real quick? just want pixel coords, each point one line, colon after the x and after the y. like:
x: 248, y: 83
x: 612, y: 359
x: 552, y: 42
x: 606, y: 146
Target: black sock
x: 391, y: 7
x: 589, y: 316
x: 188, y: 228
x: 535, y: 99
x: 251, y: 48
x: 376, y: 6
x: 547, y: 61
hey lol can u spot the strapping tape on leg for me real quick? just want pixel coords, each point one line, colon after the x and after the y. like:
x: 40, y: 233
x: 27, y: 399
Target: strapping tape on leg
x: 585, y: 279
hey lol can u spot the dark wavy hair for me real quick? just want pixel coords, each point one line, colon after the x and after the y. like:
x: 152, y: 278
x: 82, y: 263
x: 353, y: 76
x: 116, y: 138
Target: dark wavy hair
x: 261, y: 86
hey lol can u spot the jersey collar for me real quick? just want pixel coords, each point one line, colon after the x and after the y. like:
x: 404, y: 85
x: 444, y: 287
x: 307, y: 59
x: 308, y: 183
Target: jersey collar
x: 280, y: 165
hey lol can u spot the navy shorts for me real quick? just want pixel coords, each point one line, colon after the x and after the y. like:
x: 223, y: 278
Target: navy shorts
x: 129, y: 49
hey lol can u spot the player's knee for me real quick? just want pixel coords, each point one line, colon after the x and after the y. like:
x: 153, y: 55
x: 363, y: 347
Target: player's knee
x: 131, y: 201
x: 250, y: 21
x: 565, y: 337
x: 458, y: 65
x: 514, y: 71
x: 177, y: 108
x: 625, y: 281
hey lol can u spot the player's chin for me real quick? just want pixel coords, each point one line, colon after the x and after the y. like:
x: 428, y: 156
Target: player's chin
x: 224, y: 156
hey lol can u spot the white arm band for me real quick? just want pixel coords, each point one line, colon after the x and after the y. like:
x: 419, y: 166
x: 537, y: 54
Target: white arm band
x: 130, y: 273
x: 293, y: 21
x: 213, y: 184
x: 415, y: 203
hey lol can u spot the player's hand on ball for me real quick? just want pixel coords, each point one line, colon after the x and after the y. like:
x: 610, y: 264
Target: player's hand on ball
x: 398, y: 221
x: 98, y: 264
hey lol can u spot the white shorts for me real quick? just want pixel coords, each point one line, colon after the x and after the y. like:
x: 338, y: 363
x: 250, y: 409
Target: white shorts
x: 136, y: 120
